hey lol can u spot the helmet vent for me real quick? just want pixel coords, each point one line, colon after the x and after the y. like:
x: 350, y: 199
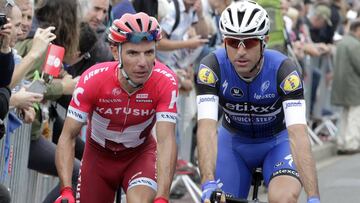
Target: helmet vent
x: 129, y: 26
x: 149, y: 25
x: 240, y: 17
x: 262, y: 25
x: 138, y: 20
x: 252, y: 16
x: 250, y: 31
x: 228, y: 30
x: 230, y: 16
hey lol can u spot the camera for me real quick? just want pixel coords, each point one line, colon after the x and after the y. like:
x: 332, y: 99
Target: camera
x: 3, y: 19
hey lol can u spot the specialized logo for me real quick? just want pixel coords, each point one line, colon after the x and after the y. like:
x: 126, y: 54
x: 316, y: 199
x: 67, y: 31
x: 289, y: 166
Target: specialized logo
x: 265, y: 86
x: 225, y: 85
x: 290, y: 159
x: 291, y: 83
x: 237, y: 92
x: 206, y: 76
x: 76, y: 93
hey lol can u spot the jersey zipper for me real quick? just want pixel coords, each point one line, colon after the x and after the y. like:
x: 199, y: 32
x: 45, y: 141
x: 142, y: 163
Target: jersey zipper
x: 250, y: 115
x: 126, y: 115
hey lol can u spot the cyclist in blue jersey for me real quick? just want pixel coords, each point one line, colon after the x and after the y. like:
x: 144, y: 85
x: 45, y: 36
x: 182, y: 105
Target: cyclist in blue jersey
x: 263, y: 124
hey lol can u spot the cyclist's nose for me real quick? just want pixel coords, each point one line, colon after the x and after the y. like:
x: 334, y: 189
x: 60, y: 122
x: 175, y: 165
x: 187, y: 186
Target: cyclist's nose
x: 241, y: 50
x: 142, y: 60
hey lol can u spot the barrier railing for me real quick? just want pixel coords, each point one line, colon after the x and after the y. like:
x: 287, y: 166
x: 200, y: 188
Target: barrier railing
x: 25, y: 185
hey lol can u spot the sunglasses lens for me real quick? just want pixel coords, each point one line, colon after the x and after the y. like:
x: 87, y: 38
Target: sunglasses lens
x: 137, y: 37
x: 248, y: 43
x: 232, y: 42
x: 252, y: 42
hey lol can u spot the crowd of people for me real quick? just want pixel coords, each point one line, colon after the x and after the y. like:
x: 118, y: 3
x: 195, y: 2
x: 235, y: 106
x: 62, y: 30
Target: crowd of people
x: 138, y: 76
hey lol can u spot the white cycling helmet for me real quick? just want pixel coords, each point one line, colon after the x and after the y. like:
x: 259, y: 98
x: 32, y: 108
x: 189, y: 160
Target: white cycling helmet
x: 245, y: 18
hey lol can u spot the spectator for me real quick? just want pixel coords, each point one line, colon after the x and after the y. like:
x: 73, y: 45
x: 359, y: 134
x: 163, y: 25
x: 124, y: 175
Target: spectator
x: 346, y: 90
x: 50, y: 15
x: 27, y: 11
x: 185, y: 33
x: 120, y: 7
x: 80, y: 63
x: 6, y: 71
x: 95, y: 12
x: 22, y: 100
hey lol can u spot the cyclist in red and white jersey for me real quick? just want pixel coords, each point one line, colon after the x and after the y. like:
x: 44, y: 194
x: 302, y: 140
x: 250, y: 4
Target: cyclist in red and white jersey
x: 121, y: 101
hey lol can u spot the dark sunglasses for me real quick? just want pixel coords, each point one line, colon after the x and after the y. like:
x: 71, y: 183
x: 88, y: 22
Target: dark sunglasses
x: 137, y: 37
x: 247, y: 43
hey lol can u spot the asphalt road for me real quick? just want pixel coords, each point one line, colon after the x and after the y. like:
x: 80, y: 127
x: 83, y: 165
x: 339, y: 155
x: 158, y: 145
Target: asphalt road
x: 339, y: 181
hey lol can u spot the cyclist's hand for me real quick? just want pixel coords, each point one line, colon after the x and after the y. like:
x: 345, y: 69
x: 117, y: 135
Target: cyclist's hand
x: 207, y: 189
x: 313, y: 200
x: 66, y: 194
x: 161, y: 200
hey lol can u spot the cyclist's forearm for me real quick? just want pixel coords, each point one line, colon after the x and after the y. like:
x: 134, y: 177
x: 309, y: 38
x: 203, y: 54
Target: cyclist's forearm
x: 64, y: 159
x: 207, y: 148
x: 166, y: 160
x: 303, y: 158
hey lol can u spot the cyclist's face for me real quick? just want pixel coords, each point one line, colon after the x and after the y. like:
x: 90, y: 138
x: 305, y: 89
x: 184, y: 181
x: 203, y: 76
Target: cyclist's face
x: 138, y: 60
x: 244, y: 53
x: 96, y: 12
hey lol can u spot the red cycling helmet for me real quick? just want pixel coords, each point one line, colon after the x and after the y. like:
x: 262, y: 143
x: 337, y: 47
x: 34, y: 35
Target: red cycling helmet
x: 134, y: 28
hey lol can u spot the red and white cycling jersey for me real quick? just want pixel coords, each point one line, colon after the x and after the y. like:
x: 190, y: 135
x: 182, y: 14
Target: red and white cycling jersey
x: 119, y: 117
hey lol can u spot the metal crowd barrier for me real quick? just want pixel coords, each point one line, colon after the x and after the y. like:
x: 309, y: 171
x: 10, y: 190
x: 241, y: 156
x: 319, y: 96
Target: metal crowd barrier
x: 25, y: 185
x: 322, y: 65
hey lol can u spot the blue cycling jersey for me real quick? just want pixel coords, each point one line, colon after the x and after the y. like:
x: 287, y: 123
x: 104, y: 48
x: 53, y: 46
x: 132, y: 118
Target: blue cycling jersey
x: 252, y: 109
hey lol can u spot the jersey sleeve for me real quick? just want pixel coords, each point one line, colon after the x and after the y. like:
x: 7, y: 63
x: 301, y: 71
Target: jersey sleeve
x: 207, y: 85
x: 82, y: 99
x: 291, y: 90
x: 166, y: 109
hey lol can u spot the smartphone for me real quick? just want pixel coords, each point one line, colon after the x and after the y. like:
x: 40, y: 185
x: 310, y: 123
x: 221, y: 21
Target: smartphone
x: 37, y: 86
x: 3, y: 19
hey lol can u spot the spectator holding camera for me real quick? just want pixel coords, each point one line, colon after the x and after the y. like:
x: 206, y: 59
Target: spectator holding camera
x: 6, y: 71
x: 63, y: 31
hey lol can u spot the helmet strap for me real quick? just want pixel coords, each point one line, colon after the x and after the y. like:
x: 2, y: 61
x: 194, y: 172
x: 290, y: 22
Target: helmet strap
x: 123, y: 72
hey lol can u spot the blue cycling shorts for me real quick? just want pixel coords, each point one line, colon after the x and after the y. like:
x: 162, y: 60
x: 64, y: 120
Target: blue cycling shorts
x: 238, y: 156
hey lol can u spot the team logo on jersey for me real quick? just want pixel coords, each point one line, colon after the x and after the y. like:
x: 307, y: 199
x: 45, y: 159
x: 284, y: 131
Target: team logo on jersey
x: 77, y: 91
x: 237, y: 92
x: 206, y: 76
x: 265, y: 86
x: 116, y: 91
x: 291, y: 83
